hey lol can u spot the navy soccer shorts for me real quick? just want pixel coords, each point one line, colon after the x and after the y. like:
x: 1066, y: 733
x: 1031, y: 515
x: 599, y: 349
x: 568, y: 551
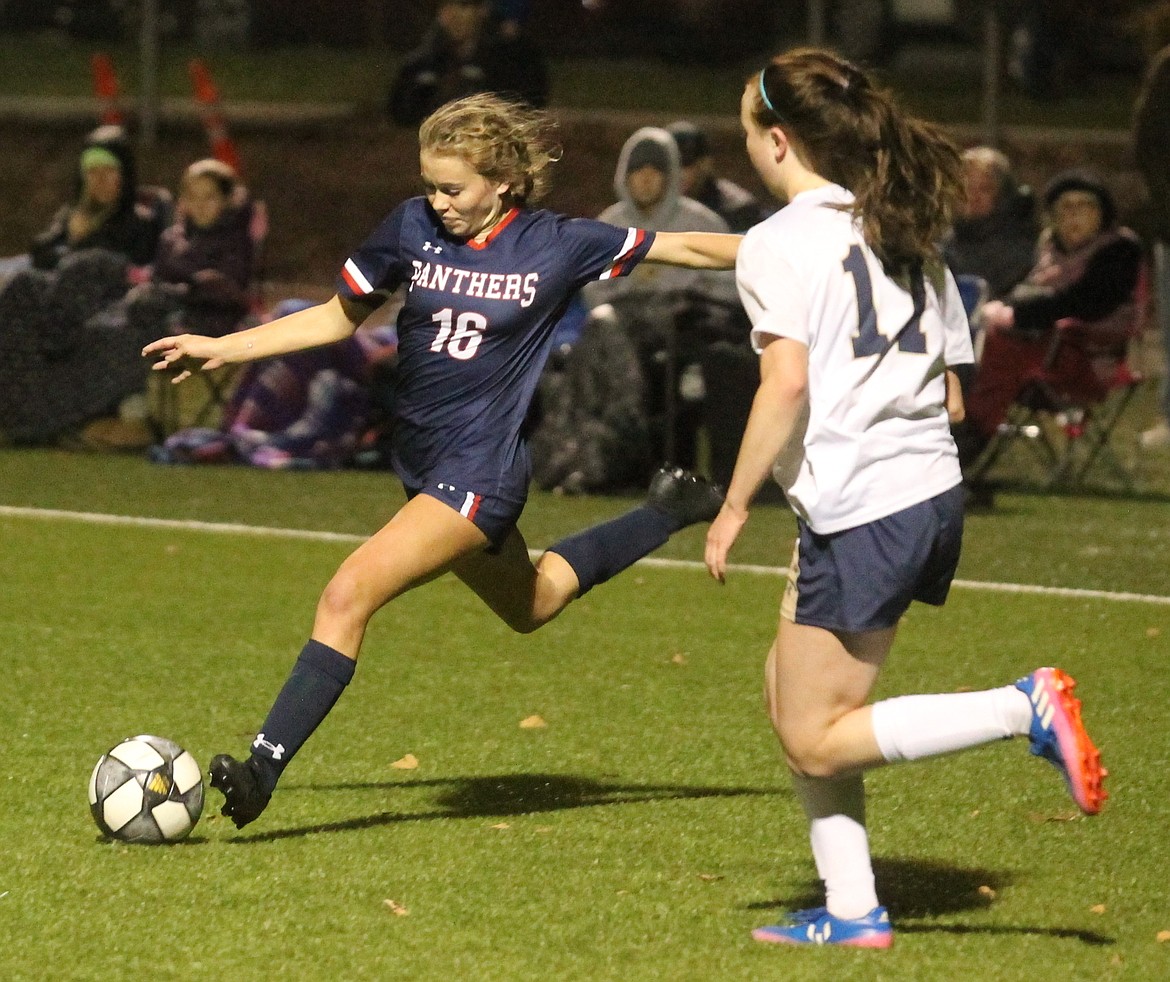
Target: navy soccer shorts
x: 494, y: 516
x: 864, y: 578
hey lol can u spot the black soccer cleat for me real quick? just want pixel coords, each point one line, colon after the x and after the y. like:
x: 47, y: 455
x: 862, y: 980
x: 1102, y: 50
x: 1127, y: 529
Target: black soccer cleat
x: 684, y: 496
x: 244, y: 799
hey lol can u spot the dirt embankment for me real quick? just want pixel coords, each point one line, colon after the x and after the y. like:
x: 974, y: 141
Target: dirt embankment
x: 327, y: 188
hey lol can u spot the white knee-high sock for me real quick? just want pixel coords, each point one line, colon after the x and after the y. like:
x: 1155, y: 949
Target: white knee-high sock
x: 835, y: 807
x: 910, y: 727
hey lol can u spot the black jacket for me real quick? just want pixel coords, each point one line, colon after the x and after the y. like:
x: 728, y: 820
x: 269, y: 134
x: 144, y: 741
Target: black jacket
x: 133, y: 228
x: 434, y: 74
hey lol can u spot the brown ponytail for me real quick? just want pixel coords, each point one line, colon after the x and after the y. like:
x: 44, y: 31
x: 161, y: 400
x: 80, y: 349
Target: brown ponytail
x: 905, y: 174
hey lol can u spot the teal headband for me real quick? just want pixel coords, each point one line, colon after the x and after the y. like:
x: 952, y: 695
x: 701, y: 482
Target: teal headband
x: 764, y: 92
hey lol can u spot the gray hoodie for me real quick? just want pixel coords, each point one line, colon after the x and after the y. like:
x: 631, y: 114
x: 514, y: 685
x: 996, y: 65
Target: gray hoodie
x: 674, y: 213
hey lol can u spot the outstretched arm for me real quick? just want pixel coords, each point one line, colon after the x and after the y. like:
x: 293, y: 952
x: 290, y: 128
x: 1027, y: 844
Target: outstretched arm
x: 775, y: 420
x: 698, y: 250
x: 308, y: 328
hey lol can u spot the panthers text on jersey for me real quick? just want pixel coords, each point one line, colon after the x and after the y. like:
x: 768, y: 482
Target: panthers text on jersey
x: 475, y: 330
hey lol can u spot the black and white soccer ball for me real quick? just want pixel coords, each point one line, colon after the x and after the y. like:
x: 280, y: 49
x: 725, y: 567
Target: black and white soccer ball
x: 146, y: 789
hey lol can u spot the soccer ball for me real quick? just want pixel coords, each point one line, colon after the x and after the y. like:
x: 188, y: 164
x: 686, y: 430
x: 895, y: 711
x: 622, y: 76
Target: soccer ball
x: 146, y: 789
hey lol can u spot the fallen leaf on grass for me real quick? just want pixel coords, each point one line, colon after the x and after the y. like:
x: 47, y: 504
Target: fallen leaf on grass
x: 1098, y: 908
x: 1163, y: 936
x: 395, y: 907
x: 533, y: 722
x: 679, y: 659
x: 710, y: 877
x: 500, y: 825
x: 407, y: 763
x: 986, y: 891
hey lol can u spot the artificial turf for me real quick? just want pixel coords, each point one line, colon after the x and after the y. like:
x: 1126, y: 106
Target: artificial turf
x: 639, y: 834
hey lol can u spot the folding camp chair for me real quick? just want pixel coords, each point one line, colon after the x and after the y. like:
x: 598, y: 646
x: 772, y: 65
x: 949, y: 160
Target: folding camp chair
x: 1069, y: 427
x: 213, y: 389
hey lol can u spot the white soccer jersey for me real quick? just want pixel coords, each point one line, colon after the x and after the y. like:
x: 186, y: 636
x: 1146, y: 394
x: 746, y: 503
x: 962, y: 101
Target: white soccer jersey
x: 877, y: 439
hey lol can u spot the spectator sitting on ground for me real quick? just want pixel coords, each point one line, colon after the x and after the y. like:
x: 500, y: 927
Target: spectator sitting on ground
x: 994, y: 235
x: 60, y: 368
x: 204, y: 267
x: 305, y: 411
x: 698, y: 180
x: 1086, y: 268
x: 461, y: 54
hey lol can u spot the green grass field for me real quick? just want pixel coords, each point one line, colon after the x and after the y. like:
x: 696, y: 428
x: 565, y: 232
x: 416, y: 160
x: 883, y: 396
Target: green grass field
x: 639, y: 835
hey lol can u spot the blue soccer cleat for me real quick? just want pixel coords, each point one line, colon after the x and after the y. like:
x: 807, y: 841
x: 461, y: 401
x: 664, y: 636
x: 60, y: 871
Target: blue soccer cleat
x: 818, y: 926
x: 1058, y: 735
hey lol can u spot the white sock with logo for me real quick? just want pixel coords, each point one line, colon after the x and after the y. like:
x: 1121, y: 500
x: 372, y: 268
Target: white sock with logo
x: 911, y: 727
x: 835, y: 807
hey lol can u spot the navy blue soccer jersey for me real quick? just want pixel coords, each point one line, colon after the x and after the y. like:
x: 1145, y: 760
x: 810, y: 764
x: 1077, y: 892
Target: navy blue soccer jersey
x: 476, y: 328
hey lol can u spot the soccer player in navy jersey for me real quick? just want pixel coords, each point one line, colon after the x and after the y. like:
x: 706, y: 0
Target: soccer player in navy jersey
x: 487, y: 279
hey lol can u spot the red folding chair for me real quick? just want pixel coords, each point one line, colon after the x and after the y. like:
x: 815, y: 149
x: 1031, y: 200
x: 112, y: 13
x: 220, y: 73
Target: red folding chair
x: 1068, y: 411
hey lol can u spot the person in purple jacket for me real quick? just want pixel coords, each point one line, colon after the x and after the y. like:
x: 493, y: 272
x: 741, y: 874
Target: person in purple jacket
x: 487, y: 277
x: 203, y: 270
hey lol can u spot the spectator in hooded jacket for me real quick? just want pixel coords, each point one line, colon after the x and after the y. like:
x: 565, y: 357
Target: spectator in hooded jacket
x: 672, y: 315
x: 994, y: 234
x: 464, y: 52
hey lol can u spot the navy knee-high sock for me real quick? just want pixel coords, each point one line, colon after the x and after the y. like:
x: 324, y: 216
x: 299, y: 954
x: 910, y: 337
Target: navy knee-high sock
x: 316, y: 682
x: 603, y: 551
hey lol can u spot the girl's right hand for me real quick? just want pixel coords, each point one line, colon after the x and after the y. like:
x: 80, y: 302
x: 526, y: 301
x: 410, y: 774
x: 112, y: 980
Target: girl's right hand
x: 183, y: 346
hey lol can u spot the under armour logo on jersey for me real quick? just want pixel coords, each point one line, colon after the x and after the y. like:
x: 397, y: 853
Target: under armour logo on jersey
x: 276, y: 749
x: 427, y: 247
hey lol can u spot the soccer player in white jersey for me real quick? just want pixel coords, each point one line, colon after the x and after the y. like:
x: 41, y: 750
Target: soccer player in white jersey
x: 862, y: 339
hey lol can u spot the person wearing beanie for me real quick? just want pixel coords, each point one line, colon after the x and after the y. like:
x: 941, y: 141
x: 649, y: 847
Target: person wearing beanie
x: 64, y: 368
x: 105, y: 212
x: 697, y: 179
x: 994, y: 232
x: 1086, y: 268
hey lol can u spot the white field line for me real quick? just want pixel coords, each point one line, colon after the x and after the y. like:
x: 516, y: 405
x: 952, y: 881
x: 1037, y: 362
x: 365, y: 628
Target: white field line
x: 231, y: 528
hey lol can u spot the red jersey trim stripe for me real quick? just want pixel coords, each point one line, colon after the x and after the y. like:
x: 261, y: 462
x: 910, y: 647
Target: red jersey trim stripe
x: 502, y: 224
x: 470, y: 505
x: 634, y: 237
x: 355, y: 278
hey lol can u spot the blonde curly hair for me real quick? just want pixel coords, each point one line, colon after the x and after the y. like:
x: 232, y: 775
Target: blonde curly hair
x: 506, y: 142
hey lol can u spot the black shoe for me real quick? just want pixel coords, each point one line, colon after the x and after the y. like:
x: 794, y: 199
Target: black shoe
x: 244, y: 799
x: 684, y: 496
